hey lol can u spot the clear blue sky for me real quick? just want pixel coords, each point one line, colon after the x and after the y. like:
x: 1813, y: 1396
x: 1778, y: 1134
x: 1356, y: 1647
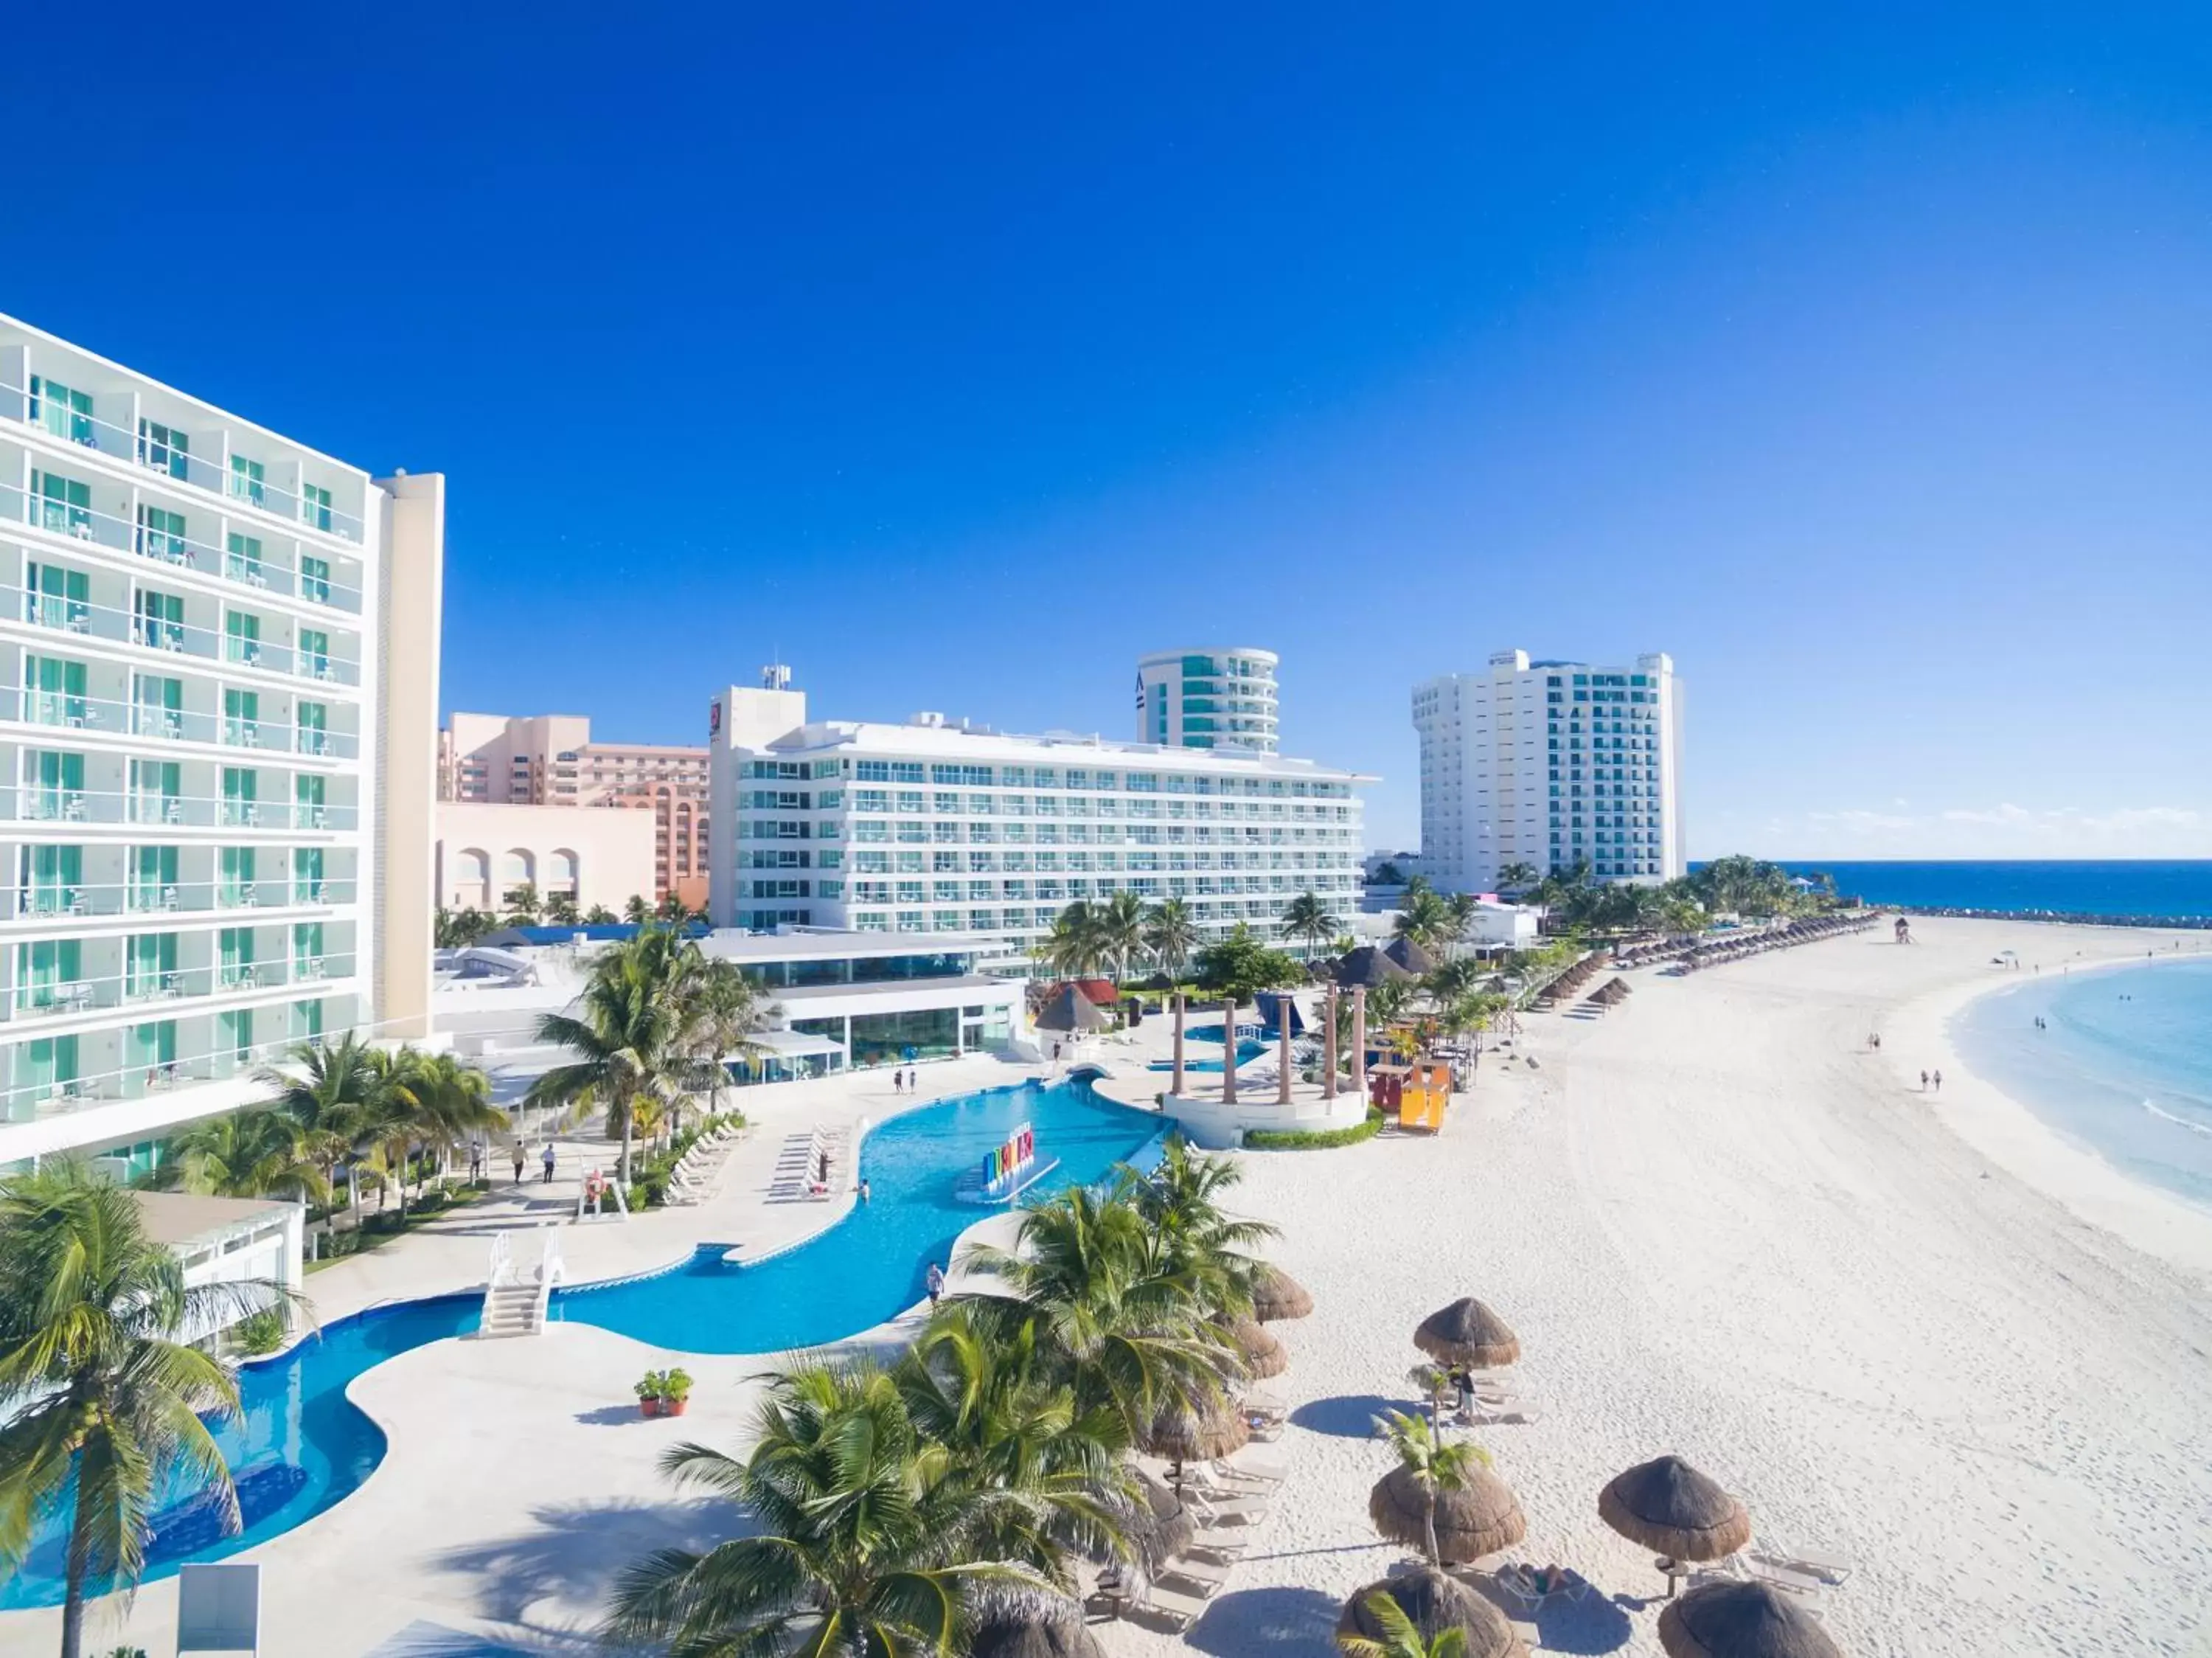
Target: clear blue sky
x: 961, y: 353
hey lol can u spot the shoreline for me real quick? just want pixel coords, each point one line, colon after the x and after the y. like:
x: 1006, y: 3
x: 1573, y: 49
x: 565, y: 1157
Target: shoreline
x: 2013, y: 1135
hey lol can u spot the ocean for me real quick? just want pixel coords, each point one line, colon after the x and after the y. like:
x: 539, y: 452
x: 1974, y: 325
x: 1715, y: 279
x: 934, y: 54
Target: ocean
x: 2123, y: 1066
x: 2117, y: 887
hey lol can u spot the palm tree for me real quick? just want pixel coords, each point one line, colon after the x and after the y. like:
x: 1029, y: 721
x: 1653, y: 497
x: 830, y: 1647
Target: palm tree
x: 524, y: 905
x: 456, y: 929
x: 389, y: 1125
x: 1127, y: 1327
x: 1171, y: 933
x: 560, y: 910
x: 1307, y: 916
x: 725, y: 1012
x: 1181, y: 1201
x: 102, y: 1396
x: 1423, y: 919
x: 1515, y: 877
x: 636, y: 910
x: 259, y: 1152
x: 865, y: 1542
x: 1117, y: 927
x: 331, y: 1090
x: 1460, y: 910
x: 1401, y: 1636
x: 1455, y: 977
x: 632, y: 1038
x: 1437, y: 1464
x: 600, y: 916
x: 452, y: 1100
x: 1071, y: 947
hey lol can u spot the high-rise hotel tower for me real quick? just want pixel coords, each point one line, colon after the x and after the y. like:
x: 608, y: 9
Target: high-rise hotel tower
x: 218, y: 743
x: 1551, y: 764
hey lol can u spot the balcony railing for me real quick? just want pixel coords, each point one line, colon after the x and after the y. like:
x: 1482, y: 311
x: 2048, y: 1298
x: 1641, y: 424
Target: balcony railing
x: 33, y: 802
x: 151, y: 987
x: 36, y: 902
x: 70, y: 711
x: 92, y: 621
x: 100, y: 529
x: 171, y: 459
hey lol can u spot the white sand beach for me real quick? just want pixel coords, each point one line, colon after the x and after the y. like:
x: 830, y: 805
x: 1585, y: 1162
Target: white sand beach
x: 1722, y: 1227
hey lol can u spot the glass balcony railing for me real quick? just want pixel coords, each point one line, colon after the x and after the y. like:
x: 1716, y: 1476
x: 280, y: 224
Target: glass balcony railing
x: 168, y: 452
x: 159, y: 989
x: 264, y: 574
x: 33, y: 904
x: 35, y: 802
x: 69, y: 712
x: 173, y: 636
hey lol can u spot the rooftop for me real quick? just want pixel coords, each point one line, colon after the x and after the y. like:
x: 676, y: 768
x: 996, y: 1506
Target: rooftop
x: 178, y: 1217
x: 936, y: 738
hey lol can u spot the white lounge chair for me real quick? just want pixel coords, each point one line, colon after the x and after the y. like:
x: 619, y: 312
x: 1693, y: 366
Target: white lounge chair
x: 1818, y: 1563
x: 1171, y: 1605
x: 1807, y: 1588
x: 1227, y: 1508
x: 1251, y: 1465
x: 1205, y: 1577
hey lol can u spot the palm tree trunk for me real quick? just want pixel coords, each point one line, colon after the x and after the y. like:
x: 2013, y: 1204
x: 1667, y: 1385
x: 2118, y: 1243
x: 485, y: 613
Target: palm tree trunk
x: 1429, y: 1525
x: 80, y: 1549
x: 629, y: 1123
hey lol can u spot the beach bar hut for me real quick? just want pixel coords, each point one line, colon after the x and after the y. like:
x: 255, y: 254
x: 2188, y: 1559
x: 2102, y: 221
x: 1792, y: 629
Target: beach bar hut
x: 1435, y: 1601
x: 1726, y: 1619
x: 1468, y: 1333
x: 1668, y: 1505
x: 1069, y: 1011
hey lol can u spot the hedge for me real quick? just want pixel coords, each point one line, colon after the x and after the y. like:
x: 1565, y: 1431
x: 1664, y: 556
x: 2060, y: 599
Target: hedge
x: 1265, y: 1139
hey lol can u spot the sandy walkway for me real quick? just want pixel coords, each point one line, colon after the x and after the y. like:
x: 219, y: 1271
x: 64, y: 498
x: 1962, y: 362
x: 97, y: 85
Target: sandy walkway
x: 1720, y: 1227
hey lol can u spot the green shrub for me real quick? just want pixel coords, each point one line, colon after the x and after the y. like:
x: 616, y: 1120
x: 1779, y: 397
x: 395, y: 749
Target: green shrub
x: 260, y: 1333
x: 1266, y: 1139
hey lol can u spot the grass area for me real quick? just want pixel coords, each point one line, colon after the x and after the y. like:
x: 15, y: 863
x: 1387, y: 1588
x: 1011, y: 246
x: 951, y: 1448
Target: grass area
x: 1263, y: 1139
x: 377, y: 1227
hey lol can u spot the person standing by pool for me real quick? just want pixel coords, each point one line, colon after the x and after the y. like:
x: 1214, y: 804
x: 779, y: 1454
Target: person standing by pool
x: 546, y: 1158
x: 936, y: 1281
x: 864, y: 1189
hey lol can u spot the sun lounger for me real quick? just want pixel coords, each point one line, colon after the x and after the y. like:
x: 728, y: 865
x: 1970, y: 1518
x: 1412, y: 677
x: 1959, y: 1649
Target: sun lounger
x: 1228, y: 1544
x: 1258, y: 1401
x: 1204, y: 1577
x: 1525, y: 1586
x: 1248, y: 1465
x: 1829, y: 1568
x: 1177, y: 1609
x: 1804, y: 1585
x: 1228, y: 1510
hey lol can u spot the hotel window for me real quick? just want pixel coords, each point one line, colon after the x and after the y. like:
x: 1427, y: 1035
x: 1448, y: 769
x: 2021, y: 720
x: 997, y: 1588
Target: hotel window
x: 247, y: 482
x: 64, y: 505
x: 65, y: 413
x: 315, y: 579
x: 314, y: 507
x: 242, y: 638
x: 53, y: 691
x: 164, y: 448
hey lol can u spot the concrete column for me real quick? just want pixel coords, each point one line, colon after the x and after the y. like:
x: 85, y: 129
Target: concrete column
x: 1328, y: 1045
x: 1228, y: 1053
x: 1283, y: 1082
x: 1359, y: 1040
x: 1176, y: 1088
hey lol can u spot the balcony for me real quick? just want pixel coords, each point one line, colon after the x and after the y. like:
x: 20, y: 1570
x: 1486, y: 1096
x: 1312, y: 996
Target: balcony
x: 39, y: 904
x: 166, y: 453
x: 33, y: 802
x: 176, y: 638
x: 165, y: 992
x: 70, y: 711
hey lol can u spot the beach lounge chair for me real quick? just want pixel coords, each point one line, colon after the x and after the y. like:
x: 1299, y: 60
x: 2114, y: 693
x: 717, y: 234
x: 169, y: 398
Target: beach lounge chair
x: 1171, y: 1607
x: 1203, y: 1577
x: 1260, y: 1401
x: 1222, y: 1509
x: 1804, y: 1585
x: 1249, y: 1465
x: 1817, y: 1562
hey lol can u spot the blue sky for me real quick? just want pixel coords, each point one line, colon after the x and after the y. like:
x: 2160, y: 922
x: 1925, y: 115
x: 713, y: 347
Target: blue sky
x: 960, y: 354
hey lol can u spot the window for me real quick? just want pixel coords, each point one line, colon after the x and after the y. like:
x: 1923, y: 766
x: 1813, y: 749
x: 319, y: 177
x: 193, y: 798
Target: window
x: 311, y: 722
x: 164, y: 448
x: 53, y: 691
x: 157, y: 705
x: 241, y: 560
x: 65, y: 413
x: 161, y: 534
x: 314, y: 507
x: 315, y: 580
x: 242, y: 637
x: 58, y: 598
x: 246, y: 482
x: 64, y: 506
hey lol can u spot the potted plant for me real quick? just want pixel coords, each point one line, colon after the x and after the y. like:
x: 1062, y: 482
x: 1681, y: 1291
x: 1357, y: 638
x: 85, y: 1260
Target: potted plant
x: 648, y: 1394
x: 675, y: 1392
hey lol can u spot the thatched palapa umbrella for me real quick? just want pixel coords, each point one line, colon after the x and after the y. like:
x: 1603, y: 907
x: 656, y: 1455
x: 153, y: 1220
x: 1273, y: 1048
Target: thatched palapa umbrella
x: 1162, y: 1527
x: 1478, y: 1518
x: 1203, y: 1433
x: 1410, y: 956
x: 1068, y: 1009
x: 1468, y: 1333
x: 1742, y: 1621
x: 1368, y: 967
x: 1435, y: 1602
x: 1276, y: 1295
x: 1262, y: 1354
x: 1668, y: 1505
x: 1042, y: 1631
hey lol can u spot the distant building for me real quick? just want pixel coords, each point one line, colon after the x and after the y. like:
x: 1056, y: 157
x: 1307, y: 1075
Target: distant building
x: 938, y: 827
x: 220, y: 731
x: 1550, y: 765
x: 589, y: 855
x: 1211, y: 697
x: 549, y: 759
x: 1390, y: 869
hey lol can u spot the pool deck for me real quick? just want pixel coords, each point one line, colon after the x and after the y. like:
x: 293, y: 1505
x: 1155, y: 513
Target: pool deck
x: 519, y: 1477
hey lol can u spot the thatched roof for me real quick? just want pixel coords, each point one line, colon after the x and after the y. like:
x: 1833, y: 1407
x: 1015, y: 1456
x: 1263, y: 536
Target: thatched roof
x: 1619, y: 986
x: 1276, y: 1295
x: 1369, y: 966
x: 1436, y: 1602
x: 1069, y: 1009
x: 1742, y: 1620
x: 1478, y: 1518
x: 1162, y: 1527
x: 1668, y: 1505
x: 1187, y: 1434
x: 1046, y: 1633
x: 1410, y: 956
x: 1263, y: 1355
x: 1468, y: 1333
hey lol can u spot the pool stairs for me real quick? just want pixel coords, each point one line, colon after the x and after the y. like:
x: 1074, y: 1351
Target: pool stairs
x: 514, y: 1301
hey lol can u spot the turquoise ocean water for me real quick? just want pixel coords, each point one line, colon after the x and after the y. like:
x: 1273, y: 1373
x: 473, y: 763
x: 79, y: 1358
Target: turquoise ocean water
x: 2180, y: 888
x: 2123, y: 1065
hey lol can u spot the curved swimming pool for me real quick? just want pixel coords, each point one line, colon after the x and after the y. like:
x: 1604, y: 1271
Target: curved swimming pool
x: 301, y: 1446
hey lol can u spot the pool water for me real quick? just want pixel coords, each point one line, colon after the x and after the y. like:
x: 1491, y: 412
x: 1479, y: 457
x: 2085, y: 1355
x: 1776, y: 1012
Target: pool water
x: 301, y: 1446
x: 1246, y: 1053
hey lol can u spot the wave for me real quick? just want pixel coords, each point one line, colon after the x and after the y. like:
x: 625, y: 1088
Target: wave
x: 2204, y: 1129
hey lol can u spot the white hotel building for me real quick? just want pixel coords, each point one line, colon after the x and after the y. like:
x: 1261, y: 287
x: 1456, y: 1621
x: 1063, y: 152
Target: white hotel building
x: 941, y: 827
x: 1208, y: 696
x: 1551, y: 764
x: 218, y: 689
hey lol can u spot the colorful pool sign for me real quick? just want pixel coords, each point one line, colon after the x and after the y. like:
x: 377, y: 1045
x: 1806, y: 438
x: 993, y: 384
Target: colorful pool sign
x: 1004, y: 1168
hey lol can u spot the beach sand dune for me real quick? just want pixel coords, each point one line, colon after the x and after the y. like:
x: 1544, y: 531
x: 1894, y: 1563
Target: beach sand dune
x: 1722, y: 1227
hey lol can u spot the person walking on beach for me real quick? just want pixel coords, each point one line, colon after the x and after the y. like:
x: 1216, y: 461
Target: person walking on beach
x: 1939, y: 1082
x: 545, y: 1158
x: 936, y: 1281
x: 1923, y: 1082
x: 898, y: 1081
x: 518, y: 1162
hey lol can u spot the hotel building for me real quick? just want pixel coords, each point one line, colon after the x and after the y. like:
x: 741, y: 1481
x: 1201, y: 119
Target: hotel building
x: 1551, y: 764
x: 1213, y: 697
x: 938, y: 827
x: 549, y: 759
x: 217, y: 758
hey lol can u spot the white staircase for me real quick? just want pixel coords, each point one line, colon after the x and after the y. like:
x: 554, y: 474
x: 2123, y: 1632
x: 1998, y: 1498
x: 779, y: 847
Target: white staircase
x: 515, y: 1302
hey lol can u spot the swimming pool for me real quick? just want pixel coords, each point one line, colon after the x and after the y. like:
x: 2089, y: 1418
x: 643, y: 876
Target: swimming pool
x: 301, y: 1445
x: 1246, y: 1053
